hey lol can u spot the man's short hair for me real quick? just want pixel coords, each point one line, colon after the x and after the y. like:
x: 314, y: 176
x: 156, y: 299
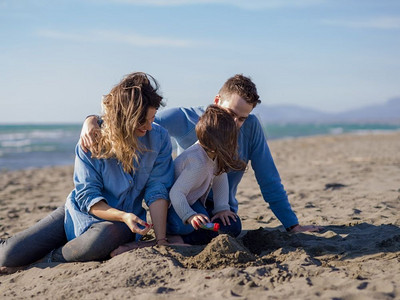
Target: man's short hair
x: 242, y: 86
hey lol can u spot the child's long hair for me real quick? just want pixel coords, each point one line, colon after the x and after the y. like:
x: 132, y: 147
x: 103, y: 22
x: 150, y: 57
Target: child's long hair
x: 217, y: 133
x: 125, y: 109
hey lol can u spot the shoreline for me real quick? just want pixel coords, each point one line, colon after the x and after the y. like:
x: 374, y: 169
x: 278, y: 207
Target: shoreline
x: 355, y: 133
x: 60, y: 152
x: 347, y: 183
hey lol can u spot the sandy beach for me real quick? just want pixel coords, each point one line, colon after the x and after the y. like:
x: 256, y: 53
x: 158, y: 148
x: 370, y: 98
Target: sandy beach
x: 350, y: 184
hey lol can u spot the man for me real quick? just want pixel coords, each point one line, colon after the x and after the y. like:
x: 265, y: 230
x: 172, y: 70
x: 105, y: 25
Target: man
x: 239, y: 96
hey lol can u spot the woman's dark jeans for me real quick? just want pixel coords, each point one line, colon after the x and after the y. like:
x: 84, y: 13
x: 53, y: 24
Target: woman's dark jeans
x: 48, y: 235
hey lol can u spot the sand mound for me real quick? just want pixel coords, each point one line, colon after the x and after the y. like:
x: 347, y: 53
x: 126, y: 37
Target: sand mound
x: 223, y: 251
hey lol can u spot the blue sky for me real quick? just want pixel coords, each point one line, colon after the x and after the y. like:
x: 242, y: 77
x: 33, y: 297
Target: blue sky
x: 57, y: 58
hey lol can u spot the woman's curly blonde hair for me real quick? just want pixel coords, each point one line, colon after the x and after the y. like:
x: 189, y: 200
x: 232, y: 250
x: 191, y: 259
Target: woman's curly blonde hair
x: 124, y: 110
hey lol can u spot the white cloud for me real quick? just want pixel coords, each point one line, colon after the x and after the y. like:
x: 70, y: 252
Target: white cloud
x: 107, y: 36
x: 373, y: 23
x: 245, y: 4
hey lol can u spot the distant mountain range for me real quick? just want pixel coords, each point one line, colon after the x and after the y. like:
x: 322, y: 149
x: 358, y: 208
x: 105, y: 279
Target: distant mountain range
x: 387, y: 113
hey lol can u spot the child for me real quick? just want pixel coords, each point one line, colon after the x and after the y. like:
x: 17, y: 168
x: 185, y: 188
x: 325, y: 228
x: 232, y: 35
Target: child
x: 199, y: 169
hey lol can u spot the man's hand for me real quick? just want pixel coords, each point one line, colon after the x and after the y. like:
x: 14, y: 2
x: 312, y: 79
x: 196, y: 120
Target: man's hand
x: 198, y: 219
x: 89, y: 133
x: 224, y: 217
x: 312, y: 228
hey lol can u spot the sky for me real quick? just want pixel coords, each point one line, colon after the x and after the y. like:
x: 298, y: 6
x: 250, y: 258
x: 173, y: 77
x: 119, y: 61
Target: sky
x: 58, y: 57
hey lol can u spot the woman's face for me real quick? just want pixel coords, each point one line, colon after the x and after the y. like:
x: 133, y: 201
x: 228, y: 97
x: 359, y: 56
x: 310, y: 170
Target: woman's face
x: 143, y: 128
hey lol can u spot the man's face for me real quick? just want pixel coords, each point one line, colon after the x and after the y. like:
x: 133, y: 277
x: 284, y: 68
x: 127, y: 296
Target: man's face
x: 236, y: 105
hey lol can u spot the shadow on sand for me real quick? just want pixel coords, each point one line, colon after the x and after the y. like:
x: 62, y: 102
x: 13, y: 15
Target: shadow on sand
x: 346, y: 241
x: 257, y: 246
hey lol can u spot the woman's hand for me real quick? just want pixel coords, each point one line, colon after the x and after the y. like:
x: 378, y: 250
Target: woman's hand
x: 198, y: 219
x: 103, y: 211
x: 224, y: 217
x: 132, y: 221
x: 89, y: 133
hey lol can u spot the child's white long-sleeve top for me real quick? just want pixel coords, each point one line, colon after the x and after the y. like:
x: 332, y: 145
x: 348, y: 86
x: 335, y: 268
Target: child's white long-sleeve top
x: 194, y: 177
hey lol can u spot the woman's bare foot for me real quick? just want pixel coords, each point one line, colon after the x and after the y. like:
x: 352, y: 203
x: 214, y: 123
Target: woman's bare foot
x: 172, y: 240
x: 130, y: 246
x: 9, y: 270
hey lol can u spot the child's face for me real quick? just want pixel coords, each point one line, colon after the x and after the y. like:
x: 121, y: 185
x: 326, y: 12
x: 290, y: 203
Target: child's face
x: 237, y: 106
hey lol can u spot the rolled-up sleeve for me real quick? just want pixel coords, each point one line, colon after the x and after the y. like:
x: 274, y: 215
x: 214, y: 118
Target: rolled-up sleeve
x: 87, y: 179
x: 162, y: 174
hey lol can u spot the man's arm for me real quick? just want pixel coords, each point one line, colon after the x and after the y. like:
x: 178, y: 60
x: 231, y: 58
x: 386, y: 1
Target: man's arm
x: 89, y: 132
x: 180, y: 123
x: 270, y: 182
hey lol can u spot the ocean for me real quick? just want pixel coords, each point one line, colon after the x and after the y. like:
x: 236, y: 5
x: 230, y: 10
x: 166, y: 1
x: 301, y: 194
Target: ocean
x: 279, y: 131
x: 30, y: 146
x: 26, y: 146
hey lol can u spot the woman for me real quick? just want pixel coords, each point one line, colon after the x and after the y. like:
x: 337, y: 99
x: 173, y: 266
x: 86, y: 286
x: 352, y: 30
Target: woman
x: 130, y: 161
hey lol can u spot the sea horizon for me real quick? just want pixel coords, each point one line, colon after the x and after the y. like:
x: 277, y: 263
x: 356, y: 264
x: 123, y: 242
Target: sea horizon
x: 26, y: 146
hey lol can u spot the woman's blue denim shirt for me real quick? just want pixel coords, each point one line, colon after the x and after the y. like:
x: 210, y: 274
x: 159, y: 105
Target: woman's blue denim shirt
x: 181, y: 122
x: 105, y: 179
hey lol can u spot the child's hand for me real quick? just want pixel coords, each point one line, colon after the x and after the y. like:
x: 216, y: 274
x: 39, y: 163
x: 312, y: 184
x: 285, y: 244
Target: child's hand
x: 224, y: 217
x: 198, y: 219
